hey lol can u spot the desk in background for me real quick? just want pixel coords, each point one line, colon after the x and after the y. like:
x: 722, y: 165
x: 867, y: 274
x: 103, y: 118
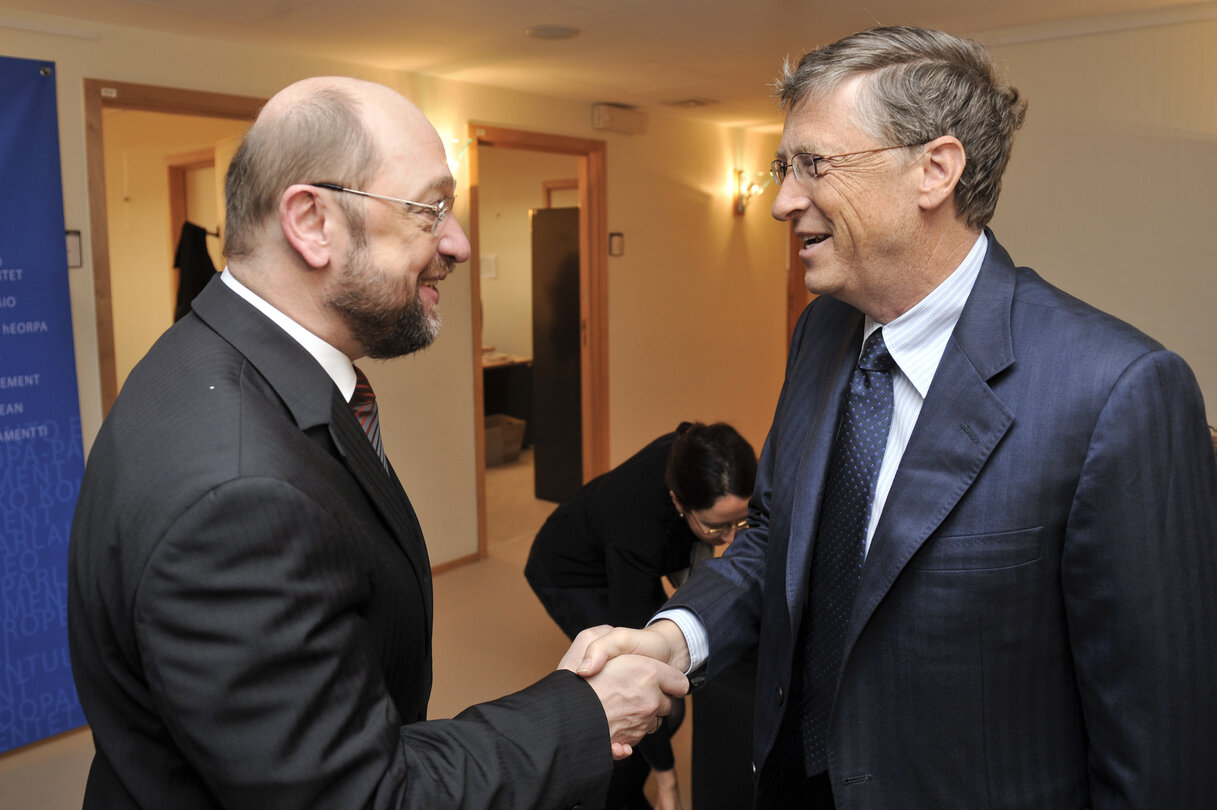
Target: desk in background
x: 507, y: 387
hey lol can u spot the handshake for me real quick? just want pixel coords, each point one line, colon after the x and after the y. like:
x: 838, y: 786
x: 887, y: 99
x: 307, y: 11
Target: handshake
x: 635, y: 673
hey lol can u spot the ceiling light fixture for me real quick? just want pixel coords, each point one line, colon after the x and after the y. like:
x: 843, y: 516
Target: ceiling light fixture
x: 551, y: 31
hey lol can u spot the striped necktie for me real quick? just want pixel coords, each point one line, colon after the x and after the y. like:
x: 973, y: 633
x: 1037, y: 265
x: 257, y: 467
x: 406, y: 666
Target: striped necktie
x: 363, y: 403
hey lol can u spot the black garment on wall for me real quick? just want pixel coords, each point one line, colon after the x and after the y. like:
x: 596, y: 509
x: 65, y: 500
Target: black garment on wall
x: 195, y: 263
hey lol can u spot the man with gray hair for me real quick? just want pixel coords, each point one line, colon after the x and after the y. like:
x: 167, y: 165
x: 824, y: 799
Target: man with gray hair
x: 981, y: 568
x: 249, y: 594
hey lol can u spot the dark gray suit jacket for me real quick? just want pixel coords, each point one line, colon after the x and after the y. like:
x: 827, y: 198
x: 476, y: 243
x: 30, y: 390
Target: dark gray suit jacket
x: 1036, y: 623
x: 250, y: 605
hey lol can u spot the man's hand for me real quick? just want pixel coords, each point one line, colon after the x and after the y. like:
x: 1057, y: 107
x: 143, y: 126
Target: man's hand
x: 662, y: 641
x: 578, y: 648
x: 632, y: 674
x: 636, y: 693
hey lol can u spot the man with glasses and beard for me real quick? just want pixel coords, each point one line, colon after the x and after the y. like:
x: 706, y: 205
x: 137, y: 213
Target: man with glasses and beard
x: 249, y: 591
x: 981, y: 562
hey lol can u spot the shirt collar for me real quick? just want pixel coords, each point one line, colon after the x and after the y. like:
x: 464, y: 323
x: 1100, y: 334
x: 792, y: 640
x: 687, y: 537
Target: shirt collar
x: 917, y: 339
x: 336, y: 364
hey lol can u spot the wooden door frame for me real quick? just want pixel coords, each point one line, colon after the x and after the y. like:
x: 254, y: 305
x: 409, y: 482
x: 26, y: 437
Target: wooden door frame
x: 548, y: 187
x: 101, y: 94
x: 593, y: 291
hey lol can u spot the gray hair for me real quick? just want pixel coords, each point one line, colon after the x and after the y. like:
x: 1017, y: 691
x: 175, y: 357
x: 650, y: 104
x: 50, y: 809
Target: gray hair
x: 321, y: 138
x: 921, y: 85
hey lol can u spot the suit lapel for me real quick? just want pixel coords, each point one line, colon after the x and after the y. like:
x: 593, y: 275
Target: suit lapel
x: 828, y: 368
x: 960, y: 424
x: 384, y: 490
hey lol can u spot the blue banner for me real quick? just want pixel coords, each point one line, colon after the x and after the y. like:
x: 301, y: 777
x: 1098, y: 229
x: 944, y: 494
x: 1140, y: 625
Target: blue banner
x: 41, y: 453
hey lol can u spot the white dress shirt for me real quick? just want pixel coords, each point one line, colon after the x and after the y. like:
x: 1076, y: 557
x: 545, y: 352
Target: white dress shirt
x: 916, y: 341
x: 336, y: 364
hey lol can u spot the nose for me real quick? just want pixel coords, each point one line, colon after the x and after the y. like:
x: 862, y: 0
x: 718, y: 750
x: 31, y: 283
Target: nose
x: 725, y: 538
x: 452, y: 240
x: 791, y: 199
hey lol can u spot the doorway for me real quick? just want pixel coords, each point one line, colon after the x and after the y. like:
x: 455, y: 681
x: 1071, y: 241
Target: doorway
x: 592, y: 294
x: 101, y: 95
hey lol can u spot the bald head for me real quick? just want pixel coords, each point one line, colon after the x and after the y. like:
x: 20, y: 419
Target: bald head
x: 321, y: 129
x: 366, y: 96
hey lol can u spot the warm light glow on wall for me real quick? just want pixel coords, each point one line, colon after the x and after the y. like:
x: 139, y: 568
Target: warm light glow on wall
x: 746, y: 187
x: 457, y: 147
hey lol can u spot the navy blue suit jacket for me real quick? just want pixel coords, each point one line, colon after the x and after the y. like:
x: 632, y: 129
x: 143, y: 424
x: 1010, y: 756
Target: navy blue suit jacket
x: 1036, y: 623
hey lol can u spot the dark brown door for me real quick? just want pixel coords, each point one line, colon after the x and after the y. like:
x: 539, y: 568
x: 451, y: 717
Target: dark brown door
x: 557, y: 432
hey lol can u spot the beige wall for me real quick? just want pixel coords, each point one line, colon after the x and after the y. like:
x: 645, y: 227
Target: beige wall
x: 697, y: 303
x: 509, y: 185
x: 1112, y: 191
x: 1110, y: 196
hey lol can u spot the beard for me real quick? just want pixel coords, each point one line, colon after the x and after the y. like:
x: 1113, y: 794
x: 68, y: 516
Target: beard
x: 385, y: 313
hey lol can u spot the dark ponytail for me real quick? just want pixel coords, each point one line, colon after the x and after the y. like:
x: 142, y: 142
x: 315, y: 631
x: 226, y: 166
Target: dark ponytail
x: 707, y: 462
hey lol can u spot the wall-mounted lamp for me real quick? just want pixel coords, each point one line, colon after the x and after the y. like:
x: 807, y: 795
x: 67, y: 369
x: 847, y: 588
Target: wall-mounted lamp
x: 746, y: 188
x: 454, y: 161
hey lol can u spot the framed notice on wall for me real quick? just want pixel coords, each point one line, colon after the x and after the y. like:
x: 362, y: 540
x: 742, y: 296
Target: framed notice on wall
x: 41, y: 453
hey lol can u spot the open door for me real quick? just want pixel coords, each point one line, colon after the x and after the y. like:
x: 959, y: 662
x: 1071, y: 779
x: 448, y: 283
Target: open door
x: 593, y: 294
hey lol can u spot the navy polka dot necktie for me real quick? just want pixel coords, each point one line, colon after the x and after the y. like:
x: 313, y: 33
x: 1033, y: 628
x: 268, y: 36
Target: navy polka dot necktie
x: 840, y: 550
x: 363, y: 403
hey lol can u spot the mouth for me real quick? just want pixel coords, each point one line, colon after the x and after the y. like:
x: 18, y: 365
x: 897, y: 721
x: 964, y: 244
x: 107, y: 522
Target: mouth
x: 815, y: 239
x: 438, y: 270
x: 431, y: 283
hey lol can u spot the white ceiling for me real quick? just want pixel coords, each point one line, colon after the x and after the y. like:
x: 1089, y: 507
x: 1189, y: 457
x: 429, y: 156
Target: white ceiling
x: 645, y: 53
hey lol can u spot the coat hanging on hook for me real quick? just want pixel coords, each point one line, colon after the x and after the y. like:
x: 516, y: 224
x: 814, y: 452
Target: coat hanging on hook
x: 195, y: 264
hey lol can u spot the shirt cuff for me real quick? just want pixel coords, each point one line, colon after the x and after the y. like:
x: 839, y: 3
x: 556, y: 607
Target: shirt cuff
x: 694, y: 632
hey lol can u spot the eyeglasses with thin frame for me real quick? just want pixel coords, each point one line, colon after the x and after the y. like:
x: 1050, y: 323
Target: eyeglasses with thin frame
x: 808, y: 165
x: 439, y: 210
x: 721, y: 530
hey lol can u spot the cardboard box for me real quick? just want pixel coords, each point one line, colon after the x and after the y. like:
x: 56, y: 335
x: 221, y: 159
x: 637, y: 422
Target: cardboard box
x: 504, y: 438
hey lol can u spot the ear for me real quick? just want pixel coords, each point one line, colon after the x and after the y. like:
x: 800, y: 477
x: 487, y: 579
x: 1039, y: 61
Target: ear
x: 680, y: 509
x: 943, y: 163
x: 308, y: 221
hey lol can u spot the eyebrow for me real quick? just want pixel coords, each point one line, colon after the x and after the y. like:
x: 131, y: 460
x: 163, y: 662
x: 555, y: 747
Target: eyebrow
x: 802, y: 149
x: 444, y: 184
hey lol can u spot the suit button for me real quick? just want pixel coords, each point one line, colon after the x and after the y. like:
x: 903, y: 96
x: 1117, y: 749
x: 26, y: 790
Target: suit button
x: 781, y: 696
